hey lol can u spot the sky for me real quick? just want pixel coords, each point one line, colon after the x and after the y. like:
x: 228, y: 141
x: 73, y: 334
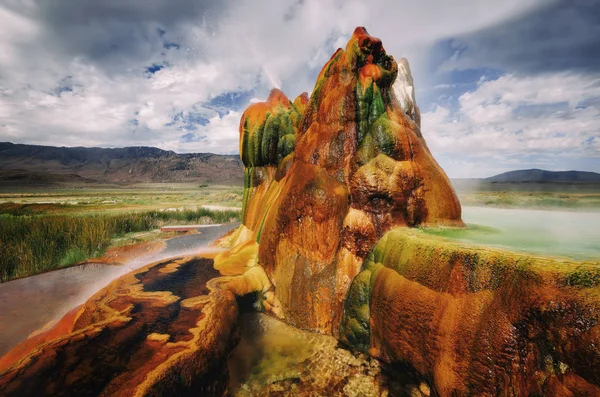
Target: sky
x: 502, y: 85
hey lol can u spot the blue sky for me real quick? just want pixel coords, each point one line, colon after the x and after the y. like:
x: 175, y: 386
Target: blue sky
x: 501, y: 85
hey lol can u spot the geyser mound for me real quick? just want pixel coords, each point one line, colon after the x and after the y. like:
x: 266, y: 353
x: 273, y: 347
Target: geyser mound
x: 327, y: 177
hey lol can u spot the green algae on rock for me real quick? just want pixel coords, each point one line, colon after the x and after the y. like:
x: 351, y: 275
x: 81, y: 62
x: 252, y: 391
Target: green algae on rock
x: 348, y: 161
x: 477, y: 320
x: 276, y: 359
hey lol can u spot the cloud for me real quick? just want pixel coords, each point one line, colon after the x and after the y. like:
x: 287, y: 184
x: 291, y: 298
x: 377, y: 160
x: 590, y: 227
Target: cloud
x: 178, y: 74
x: 560, y: 35
x: 548, y: 115
x: 220, y: 135
x: 133, y: 67
x: 15, y: 31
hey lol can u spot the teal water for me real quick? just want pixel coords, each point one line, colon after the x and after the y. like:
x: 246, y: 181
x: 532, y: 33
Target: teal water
x: 570, y: 234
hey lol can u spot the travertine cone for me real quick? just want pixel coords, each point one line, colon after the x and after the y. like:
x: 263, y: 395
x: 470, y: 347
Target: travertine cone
x: 359, y: 167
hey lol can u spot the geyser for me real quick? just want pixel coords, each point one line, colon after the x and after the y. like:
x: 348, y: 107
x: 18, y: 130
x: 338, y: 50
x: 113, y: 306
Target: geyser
x: 334, y: 184
x: 325, y: 178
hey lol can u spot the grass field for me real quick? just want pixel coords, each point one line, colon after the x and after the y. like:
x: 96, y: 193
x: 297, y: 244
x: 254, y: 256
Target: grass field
x: 45, y: 230
x: 550, y: 196
x: 103, y: 198
x: 532, y: 200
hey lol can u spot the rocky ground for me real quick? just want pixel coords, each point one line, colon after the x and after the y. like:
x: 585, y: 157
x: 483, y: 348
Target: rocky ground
x: 275, y: 359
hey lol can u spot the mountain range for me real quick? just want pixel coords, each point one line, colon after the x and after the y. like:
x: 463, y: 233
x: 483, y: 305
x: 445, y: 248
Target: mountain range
x: 22, y: 164
x: 542, y: 176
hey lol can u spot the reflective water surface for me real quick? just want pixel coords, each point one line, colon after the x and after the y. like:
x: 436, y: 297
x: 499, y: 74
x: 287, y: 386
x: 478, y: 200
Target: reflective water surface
x: 30, y: 303
x: 570, y: 234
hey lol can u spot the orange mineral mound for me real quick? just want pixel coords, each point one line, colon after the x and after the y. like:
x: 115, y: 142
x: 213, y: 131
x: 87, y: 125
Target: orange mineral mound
x: 325, y: 177
x: 477, y: 321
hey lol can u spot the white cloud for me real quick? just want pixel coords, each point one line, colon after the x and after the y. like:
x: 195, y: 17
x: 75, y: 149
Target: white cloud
x: 14, y: 30
x: 561, y: 35
x: 555, y: 114
x: 249, y: 45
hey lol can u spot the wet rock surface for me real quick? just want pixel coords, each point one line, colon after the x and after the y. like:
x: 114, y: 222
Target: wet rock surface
x: 326, y: 176
x: 477, y: 321
x: 32, y: 303
x: 275, y: 359
x: 161, y: 330
x: 329, y: 226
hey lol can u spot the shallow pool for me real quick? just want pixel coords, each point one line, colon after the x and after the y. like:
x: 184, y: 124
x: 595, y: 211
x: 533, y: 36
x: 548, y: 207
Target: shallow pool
x: 569, y: 234
x: 276, y: 359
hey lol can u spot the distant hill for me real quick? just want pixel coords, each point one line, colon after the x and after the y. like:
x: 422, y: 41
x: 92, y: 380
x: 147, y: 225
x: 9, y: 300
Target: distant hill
x: 542, y: 176
x: 47, y: 165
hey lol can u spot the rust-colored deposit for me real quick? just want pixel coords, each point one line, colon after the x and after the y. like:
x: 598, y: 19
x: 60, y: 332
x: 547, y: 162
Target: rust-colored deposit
x: 165, y: 329
x: 478, y: 321
x: 326, y: 177
x: 334, y: 185
x: 122, y: 254
x: 52, y: 331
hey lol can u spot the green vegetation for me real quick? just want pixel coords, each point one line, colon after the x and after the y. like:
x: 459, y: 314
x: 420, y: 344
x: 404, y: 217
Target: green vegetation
x: 110, y: 198
x: 73, y: 255
x: 42, y: 230
x: 200, y: 215
x: 31, y: 244
x: 540, y: 196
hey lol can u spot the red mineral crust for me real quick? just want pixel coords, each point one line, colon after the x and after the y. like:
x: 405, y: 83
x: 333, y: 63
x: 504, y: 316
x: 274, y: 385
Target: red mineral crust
x: 165, y: 329
x: 359, y: 167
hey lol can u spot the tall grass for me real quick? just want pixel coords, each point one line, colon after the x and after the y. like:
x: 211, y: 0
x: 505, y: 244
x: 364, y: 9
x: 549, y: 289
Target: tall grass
x: 200, y: 215
x: 31, y: 244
